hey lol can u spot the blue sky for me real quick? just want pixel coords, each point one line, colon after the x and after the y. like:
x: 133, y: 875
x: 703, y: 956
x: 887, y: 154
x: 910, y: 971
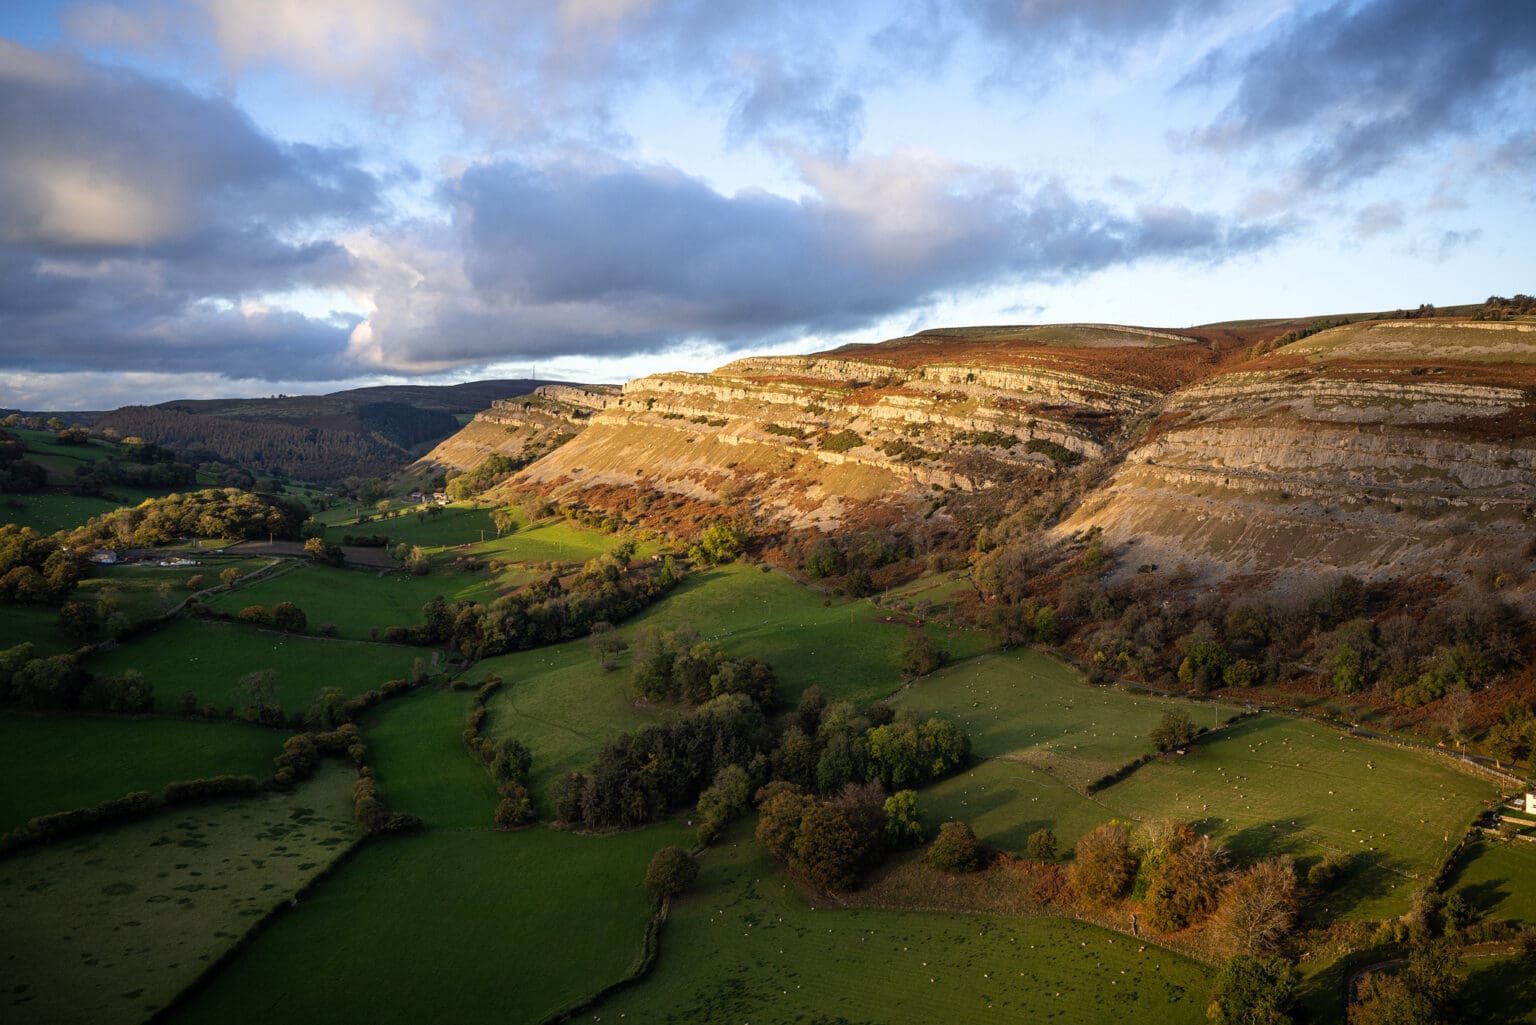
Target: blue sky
x: 230, y: 197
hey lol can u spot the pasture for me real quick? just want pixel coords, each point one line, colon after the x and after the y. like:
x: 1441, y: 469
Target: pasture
x: 743, y: 946
x: 1028, y: 707
x: 210, y: 658
x: 144, y: 592
x: 1273, y: 785
x: 472, y: 926
x: 59, y: 763
x: 563, y: 706
x: 850, y: 648
x: 1005, y: 800
x: 454, y: 525
x: 550, y: 541
x: 416, y: 749
x: 360, y: 601
x: 108, y: 927
x: 36, y: 624
x: 47, y: 512
x: 1497, y: 879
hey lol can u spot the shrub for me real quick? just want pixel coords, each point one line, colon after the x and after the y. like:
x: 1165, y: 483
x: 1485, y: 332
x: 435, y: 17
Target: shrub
x: 1041, y: 845
x: 954, y: 850
x: 671, y: 871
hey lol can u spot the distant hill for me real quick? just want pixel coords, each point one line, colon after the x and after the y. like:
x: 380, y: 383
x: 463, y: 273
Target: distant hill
x: 359, y: 432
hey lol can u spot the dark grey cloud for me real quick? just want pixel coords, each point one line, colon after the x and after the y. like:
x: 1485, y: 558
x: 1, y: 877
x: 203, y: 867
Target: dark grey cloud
x: 570, y: 260
x: 139, y: 221
x: 1364, y: 85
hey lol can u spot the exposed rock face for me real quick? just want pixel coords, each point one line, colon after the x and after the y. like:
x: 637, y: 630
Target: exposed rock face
x: 1350, y: 454
x: 521, y: 428
x: 1375, y: 447
x: 798, y: 438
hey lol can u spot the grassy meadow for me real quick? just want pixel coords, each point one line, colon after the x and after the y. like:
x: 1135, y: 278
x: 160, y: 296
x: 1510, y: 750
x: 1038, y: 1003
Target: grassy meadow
x: 1028, y: 707
x: 110, y: 926
x: 1274, y: 785
x: 417, y: 752
x: 34, y: 624
x: 209, y: 659
x: 359, y: 601
x: 1497, y: 879
x: 58, y: 763
x: 469, y: 926
x: 743, y: 946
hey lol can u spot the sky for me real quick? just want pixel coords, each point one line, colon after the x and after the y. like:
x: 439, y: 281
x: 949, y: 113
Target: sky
x: 207, y: 198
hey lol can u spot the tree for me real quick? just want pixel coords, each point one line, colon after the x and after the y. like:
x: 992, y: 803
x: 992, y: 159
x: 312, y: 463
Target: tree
x: 671, y: 871
x: 954, y: 850
x: 323, y: 552
x: 1254, y: 991
x: 504, y: 520
x: 1175, y: 730
x: 1422, y: 994
x: 832, y: 848
x: 256, y: 696
x: 417, y: 563
x: 1258, y: 908
x: 1103, y: 865
x: 516, y: 806
x: 903, y: 827
x: 1041, y: 845
x: 780, y: 808
x: 1186, y: 885
x: 229, y: 576
x: 722, y: 801
x: 919, y: 654
x: 327, y: 710
x: 288, y: 617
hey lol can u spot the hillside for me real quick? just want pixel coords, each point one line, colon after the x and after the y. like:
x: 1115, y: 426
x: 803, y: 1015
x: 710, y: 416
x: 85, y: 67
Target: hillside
x: 1387, y: 447
x: 361, y: 432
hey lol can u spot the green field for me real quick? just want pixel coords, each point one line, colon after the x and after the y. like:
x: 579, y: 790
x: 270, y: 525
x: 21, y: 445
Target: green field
x: 562, y: 704
x: 1272, y: 785
x: 209, y: 659
x: 359, y: 601
x: 1498, y: 991
x: 1028, y: 707
x: 849, y: 647
x: 59, y: 763
x: 1498, y: 879
x: 743, y: 946
x: 1005, y: 800
x: 48, y: 512
x: 109, y: 927
x: 417, y: 752
x: 551, y: 541
x: 36, y: 624
x: 474, y: 926
x: 455, y: 525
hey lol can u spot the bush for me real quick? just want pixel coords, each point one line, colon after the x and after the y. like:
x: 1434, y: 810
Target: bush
x: 1041, y: 845
x: 954, y: 850
x: 671, y: 871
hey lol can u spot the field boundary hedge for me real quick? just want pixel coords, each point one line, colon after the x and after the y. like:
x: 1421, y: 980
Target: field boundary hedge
x: 650, y: 950
x: 61, y: 825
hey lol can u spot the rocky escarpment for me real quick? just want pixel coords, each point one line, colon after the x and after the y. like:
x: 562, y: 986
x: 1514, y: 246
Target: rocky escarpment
x: 802, y: 440
x: 1337, y: 453
x: 522, y: 428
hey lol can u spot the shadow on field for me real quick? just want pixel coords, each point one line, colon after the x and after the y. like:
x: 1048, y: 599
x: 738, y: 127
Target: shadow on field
x: 1499, y: 993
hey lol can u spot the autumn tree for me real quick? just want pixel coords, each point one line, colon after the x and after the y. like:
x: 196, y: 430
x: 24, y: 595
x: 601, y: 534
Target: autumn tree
x: 1186, y: 885
x: 1103, y: 864
x: 1258, y: 908
x: 1041, y: 845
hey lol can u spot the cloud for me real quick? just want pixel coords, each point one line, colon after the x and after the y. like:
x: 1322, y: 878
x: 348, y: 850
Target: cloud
x: 624, y: 259
x: 136, y: 216
x: 1378, y: 218
x: 1363, y: 86
x: 804, y: 101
